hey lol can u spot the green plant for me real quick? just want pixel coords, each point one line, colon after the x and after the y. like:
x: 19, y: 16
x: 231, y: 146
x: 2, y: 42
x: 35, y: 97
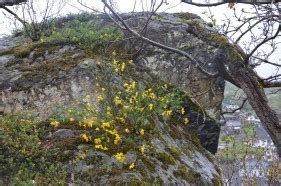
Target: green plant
x: 83, y: 34
x: 22, y: 159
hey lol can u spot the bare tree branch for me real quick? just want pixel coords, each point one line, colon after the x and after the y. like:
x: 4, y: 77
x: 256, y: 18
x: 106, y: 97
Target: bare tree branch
x: 14, y: 14
x: 239, y: 108
x: 154, y: 43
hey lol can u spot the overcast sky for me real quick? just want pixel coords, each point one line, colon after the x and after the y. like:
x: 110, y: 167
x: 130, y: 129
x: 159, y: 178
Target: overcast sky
x: 6, y: 26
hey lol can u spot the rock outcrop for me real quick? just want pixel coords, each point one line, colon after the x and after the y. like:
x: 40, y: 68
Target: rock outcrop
x: 39, y: 76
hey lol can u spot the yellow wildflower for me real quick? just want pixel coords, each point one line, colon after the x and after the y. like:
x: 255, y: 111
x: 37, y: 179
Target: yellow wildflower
x: 105, y: 124
x: 131, y: 100
x: 123, y: 67
x: 101, y: 147
x: 115, y: 62
x: 125, y: 84
x: 71, y: 120
x: 55, y: 123
x: 98, y: 146
x: 88, y: 97
x: 88, y: 123
x: 167, y: 113
x: 97, y: 141
x: 85, y: 137
x: 139, y: 108
x: 99, y: 99
x: 97, y: 129
x: 127, y: 130
x: 151, y: 106
x: 141, y: 132
x: 126, y: 107
x: 132, y: 166
x: 108, y: 111
x: 117, y: 139
x: 120, y: 157
x: 152, y: 95
x: 142, y: 148
x: 117, y: 101
x: 182, y: 111
x: 133, y: 85
x: 185, y: 120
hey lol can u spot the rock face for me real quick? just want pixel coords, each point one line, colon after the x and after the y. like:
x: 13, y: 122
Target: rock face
x: 38, y: 77
x: 182, y: 31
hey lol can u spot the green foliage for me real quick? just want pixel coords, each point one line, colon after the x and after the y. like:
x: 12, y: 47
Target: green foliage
x: 83, y: 34
x: 22, y: 158
x: 36, y: 30
x: 238, y: 151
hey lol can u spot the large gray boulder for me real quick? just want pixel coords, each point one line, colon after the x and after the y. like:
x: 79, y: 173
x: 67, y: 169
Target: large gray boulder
x: 37, y: 77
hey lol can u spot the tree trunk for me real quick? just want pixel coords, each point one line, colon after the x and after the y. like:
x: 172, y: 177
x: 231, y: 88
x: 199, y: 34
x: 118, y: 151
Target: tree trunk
x: 247, y: 81
x: 234, y: 70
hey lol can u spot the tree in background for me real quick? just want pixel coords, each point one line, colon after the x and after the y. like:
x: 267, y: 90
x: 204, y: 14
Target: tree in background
x: 36, y: 16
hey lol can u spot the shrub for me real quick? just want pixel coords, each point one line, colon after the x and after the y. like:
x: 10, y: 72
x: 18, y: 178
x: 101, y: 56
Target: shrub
x: 22, y: 158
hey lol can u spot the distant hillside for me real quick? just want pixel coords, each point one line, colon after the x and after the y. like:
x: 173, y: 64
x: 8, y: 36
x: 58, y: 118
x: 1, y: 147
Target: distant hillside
x: 234, y: 95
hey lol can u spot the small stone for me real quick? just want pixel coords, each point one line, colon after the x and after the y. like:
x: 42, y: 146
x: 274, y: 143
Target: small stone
x: 64, y: 133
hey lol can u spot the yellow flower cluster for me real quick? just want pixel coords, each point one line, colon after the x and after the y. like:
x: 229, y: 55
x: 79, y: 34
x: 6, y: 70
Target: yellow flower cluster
x: 105, y: 125
x: 151, y: 106
x: 117, y: 139
x: 117, y: 101
x: 85, y: 137
x: 97, y: 141
x: 88, y: 123
x: 142, y: 148
x: 132, y: 166
x: 185, y: 120
x: 101, y: 147
x: 167, y: 113
x: 55, y: 123
x: 130, y: 87
x: 108, y: 111
x: 118, y: 66
x: 141, y: 132
x: 148, y: 93
x: 99, y: 99
x: 182, y: 111
x: 120, y: 157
